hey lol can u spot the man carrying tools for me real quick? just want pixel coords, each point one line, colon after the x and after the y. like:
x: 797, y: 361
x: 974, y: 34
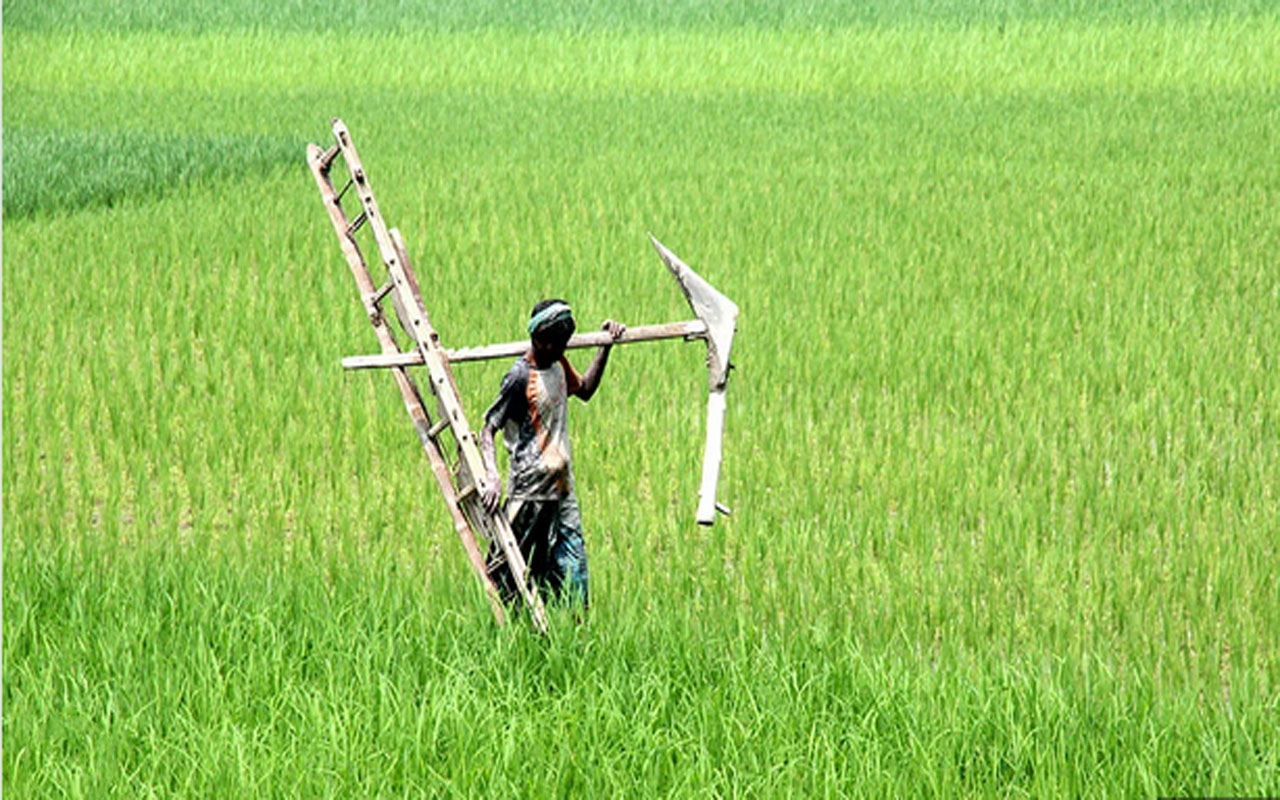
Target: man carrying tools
x: 469, y: 482
x: 532, y: 413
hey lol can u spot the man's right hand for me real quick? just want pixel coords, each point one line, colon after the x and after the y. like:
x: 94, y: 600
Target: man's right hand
x: 491, y: 492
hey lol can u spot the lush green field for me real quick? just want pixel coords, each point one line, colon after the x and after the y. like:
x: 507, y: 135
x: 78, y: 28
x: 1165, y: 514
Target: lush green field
x: 1002, y: 446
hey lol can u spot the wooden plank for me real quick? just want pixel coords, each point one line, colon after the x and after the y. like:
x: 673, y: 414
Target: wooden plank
x: 693, y: 329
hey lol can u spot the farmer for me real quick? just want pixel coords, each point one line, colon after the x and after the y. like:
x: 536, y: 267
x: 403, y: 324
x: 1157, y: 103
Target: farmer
x: 532, y: 412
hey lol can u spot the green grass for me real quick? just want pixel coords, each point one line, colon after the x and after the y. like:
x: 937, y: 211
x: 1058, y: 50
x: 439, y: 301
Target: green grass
x: 1001, y: 444
x: 295, y: 676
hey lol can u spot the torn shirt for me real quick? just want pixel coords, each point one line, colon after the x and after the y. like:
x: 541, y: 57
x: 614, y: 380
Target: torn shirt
x: 532, y: 411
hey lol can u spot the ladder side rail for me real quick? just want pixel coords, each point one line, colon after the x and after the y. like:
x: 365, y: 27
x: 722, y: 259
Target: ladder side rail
x: 408, y: 389
x: 442, y: 384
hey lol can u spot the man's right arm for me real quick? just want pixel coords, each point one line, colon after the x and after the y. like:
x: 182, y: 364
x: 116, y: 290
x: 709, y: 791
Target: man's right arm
x: 503, y: 408
x: 491, y: 486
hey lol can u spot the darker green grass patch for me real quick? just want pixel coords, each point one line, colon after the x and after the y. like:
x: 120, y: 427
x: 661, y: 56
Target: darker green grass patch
x: 56, y: 171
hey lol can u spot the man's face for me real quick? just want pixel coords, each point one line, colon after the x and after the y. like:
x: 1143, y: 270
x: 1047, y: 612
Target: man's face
x: 548, y: 350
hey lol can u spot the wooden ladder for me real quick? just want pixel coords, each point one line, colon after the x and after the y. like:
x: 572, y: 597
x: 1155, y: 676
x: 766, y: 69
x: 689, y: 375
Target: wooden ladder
x: 456, y: 479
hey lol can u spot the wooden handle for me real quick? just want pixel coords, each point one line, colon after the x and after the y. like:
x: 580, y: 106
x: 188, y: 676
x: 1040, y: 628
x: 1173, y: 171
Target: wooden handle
x: 693, y: 329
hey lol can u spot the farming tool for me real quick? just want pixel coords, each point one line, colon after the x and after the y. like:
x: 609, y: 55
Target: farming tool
x: 457, y: 479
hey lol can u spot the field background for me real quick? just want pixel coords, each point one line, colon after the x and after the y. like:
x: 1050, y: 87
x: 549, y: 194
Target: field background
x: 1002, y: 444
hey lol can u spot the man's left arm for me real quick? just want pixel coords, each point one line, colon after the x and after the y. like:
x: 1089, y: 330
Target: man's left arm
x: 591, y: 378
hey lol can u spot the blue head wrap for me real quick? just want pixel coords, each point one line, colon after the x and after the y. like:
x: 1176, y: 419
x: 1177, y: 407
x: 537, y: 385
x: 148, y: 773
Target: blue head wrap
x: 549, y: 316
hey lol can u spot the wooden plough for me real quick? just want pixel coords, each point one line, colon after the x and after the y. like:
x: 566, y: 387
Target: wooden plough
x: 715, y: 324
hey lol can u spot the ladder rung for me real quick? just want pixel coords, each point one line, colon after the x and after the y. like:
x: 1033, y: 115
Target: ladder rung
x: 467, y: 492
x: 439, y: 426
x: 356, y: 223
x: 327, y: 157
x: 381, y: 293
x: 338, y: 198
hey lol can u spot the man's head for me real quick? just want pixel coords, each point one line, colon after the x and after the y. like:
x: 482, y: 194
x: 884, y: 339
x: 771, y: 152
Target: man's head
x: 550, y: 326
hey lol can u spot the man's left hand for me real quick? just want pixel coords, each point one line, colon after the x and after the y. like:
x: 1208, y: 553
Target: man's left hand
x: 615, y: 329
